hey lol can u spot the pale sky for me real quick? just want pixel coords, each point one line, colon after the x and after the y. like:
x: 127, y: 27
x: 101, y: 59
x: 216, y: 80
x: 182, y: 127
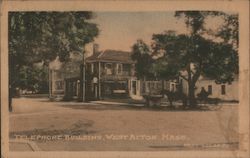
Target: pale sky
x: 120, y: 30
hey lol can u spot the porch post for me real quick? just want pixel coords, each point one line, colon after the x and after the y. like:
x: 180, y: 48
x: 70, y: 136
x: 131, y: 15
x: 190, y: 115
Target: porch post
x: 138, y: 88
x: 129, y: 87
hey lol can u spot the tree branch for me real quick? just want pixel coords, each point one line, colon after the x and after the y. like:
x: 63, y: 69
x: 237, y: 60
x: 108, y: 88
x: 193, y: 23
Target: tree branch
x: 185, y: 78
x: 196, y: 76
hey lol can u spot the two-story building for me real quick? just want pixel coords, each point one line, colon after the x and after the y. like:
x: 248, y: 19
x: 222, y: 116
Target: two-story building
x: 108, y: 73
x: 113, y: 74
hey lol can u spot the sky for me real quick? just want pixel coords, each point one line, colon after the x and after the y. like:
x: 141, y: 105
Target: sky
x: 120, y: 30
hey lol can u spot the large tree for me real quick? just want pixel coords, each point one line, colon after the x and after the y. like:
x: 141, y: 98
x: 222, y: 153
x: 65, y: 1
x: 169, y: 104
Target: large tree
x: 142, y: 55
x: 39, y: 37
x: 192, y: 55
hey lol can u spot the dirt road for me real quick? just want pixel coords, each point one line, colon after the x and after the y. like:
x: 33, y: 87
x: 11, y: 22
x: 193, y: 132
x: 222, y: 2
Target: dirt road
x: 72, y: 126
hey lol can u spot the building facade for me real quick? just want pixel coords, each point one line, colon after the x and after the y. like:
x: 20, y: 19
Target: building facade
x: 227, y: 92
x: 64, y: 78
x: 111, y: 73
x: 108, y: 73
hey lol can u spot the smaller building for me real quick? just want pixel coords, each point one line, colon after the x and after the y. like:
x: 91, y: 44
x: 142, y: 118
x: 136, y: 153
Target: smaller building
x: 64, y: 78
x: 226, y: 92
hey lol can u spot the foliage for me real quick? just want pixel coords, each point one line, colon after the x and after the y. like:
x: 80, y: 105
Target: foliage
x: 39, y: 37
x: 33, y: 79
x: 141, y: 54
x: 193, y: 55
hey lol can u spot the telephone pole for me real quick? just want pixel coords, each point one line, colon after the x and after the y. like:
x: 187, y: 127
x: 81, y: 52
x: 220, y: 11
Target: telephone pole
x: 83, y: 77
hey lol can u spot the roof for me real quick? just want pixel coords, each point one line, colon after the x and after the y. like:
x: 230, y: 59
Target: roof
x: 111, y: 56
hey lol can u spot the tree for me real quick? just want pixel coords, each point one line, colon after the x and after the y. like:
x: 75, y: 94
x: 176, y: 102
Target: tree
x: 229, y: 31
x: 39, y: 37
x: 33, y: 78
x: 141, y: 54
x: 192, y: 55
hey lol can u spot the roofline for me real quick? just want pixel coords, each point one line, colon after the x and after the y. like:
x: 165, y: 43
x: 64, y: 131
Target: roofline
x: 111, y: 60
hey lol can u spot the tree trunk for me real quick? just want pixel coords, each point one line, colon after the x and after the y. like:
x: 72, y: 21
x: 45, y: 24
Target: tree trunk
x: 10, y: 98
x: 191, y: 87
x: 191, y: 94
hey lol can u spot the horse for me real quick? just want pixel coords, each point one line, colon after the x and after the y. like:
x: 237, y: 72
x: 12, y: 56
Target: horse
x: 174, y: 96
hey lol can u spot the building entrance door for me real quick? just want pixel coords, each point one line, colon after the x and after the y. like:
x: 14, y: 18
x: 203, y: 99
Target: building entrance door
x: 133, y: 86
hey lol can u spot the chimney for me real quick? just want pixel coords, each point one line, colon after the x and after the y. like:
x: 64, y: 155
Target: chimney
x: 95, y: 48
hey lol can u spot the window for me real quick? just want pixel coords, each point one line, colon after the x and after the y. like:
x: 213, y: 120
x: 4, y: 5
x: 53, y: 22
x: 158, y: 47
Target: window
x: 108, y: 68
x: 210, y: 89
x: 59, y: 85
x: 126, y: 69
x: 172, y: 87
x: 119, y: 68
x: 223, y: 89
x: 57, y: 75
x: 143, y: 87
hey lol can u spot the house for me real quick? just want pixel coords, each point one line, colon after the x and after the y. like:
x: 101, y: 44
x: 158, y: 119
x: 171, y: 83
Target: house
x: 108, y: 73
x: 112, y: 74
x: 64, y: 78
x: 226, y: 92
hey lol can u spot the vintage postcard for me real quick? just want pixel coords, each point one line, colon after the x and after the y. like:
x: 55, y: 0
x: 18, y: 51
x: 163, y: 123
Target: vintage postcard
x: 152, y: 79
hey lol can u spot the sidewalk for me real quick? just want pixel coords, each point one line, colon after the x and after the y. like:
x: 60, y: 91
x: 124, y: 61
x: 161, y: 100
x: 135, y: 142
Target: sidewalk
x: 116, y: 103
x: 141, y: 103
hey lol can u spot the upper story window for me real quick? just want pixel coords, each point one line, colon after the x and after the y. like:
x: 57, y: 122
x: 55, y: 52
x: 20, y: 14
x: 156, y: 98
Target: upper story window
x: 126, y: 69
x: 108, y: 69
x: 119, y: 68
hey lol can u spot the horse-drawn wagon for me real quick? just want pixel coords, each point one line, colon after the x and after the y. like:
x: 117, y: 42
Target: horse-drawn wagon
x: 153, y: 100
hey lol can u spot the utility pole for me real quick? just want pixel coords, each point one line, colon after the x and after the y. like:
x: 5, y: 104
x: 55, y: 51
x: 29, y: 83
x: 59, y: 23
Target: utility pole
x: 83, y: 77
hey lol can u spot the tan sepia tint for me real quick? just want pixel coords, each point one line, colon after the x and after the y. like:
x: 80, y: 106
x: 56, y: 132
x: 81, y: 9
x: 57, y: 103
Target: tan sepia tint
x: 150, y: 79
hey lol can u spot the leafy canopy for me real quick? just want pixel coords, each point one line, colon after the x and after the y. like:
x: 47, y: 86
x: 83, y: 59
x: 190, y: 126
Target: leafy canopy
x: 42, y: 36
x: 217, y: 61
x: 142, y: 55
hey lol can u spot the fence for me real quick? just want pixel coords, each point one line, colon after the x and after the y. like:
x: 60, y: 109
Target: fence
x: 155, y: 87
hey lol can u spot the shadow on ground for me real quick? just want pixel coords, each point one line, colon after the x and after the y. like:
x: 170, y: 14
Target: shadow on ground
x: 138, y: 107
